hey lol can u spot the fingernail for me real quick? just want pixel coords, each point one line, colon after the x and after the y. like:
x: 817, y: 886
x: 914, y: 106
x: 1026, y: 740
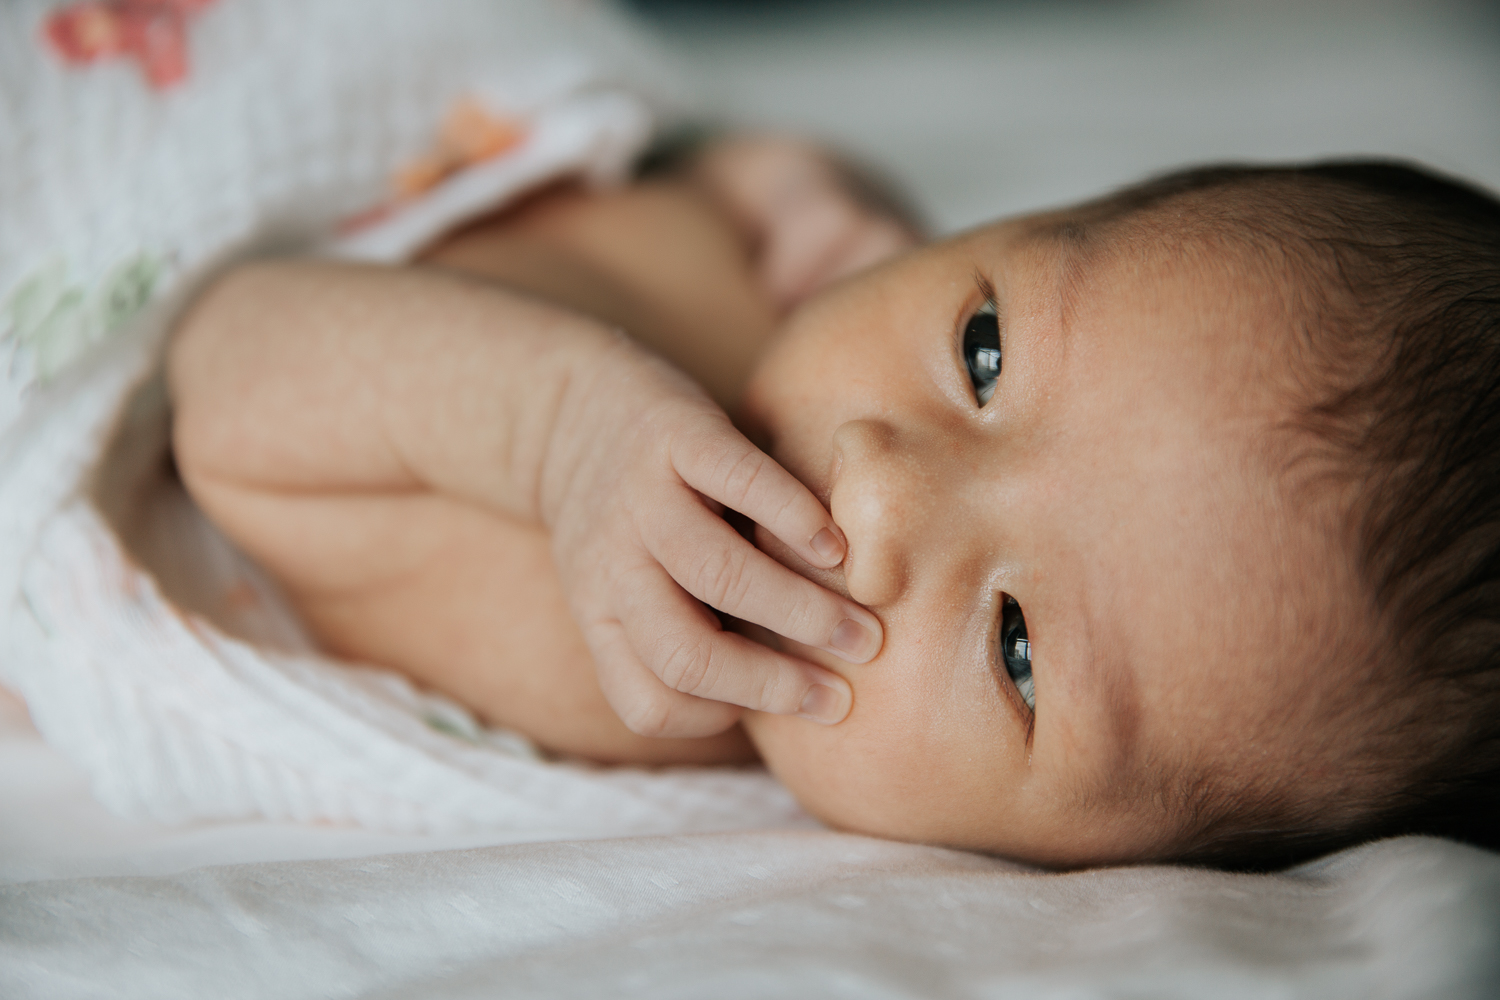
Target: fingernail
x: 824, y: 704
x: 826, y: 544
x: 854, y: 642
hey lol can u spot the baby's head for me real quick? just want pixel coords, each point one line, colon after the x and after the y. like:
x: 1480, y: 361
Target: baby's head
x: 1239, y: 476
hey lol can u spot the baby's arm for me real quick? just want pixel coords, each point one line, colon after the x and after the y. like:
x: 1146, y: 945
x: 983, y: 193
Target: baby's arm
x: 343, y: 388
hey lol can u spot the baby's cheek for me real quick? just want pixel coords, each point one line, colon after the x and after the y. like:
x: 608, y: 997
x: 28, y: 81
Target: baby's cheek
x: 822, y: 767
x: 930, y: 751
x: 884, y: 770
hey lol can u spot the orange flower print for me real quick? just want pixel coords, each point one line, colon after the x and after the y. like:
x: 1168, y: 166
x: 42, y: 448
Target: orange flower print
x: 469, y: 135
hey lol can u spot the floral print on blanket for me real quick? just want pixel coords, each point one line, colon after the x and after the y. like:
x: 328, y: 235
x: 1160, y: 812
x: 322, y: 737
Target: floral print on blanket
x: 152, y: 31
x: 470, y: 134
x: 53, y: 319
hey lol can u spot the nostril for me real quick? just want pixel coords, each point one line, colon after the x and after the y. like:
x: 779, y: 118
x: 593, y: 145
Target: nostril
x: 868, y: 502
x: 874, y: 567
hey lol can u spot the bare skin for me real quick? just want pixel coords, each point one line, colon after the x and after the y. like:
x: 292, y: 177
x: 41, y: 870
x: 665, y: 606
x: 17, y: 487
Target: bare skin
x: 463, y: 596
x: 656, y: 259
x: 1190, y: 625
x: 463, y: 599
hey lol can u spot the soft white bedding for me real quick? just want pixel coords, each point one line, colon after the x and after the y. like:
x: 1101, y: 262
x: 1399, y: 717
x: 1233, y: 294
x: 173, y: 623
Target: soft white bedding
x: 98, y: 906
x: 147, y: 650
x: 980, y: 112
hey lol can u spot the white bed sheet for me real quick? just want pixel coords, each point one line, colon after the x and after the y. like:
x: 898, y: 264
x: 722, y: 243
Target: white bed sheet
x: 93, y: 905
x: 756, y: 915
x: 980, y: 112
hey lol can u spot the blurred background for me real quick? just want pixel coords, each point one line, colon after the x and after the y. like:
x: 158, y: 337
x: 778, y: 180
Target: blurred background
x: 982, y: 108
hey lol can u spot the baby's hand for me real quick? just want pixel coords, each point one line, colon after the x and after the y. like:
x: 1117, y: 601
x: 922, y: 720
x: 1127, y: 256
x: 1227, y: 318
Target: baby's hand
x: 814, y: 220
x: 640, y: 464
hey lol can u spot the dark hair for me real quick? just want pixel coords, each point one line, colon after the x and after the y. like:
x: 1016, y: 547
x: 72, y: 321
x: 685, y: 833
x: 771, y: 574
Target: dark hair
x: 1402, y: 276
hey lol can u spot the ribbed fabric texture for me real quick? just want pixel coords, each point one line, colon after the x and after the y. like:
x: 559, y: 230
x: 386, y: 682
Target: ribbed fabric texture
x: 188, y: 694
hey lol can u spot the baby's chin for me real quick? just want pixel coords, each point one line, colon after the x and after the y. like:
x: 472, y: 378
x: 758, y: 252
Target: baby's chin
x: 843, y: 774
x: 855, y: 776
x: 800, y: 752
x: 803, y: 755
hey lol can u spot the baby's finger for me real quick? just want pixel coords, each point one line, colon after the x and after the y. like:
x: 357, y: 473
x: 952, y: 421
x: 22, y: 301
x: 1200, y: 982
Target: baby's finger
x: 668, y: 633
x: 710, y: 560
x: 723, y: 465
x: 646, y: 705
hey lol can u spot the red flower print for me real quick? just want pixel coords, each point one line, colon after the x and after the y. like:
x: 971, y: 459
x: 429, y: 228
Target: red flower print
x: 153, y: 31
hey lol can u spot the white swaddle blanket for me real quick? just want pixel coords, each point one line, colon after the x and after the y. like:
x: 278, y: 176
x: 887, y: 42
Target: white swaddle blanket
x: 186, y: 691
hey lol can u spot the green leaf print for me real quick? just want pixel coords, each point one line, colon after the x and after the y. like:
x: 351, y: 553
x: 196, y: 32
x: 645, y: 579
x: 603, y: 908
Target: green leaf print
x: 55, y: 321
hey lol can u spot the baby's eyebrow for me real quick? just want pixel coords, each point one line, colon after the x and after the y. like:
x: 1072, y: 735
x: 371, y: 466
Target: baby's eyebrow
x: 1074, y: 246
x: 986, y: 286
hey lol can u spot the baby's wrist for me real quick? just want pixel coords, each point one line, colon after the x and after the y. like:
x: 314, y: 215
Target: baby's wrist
x: 576, y: 418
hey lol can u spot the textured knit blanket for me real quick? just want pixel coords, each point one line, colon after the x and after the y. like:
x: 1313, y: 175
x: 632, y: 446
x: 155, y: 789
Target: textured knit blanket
x: 144, y: 146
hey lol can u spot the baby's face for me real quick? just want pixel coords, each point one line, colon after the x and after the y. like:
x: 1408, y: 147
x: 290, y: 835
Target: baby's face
x: 1118, y: 485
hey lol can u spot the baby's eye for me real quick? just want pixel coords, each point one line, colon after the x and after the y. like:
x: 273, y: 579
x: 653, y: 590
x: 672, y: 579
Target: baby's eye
x: 982, y: 350
x: 1015, y: 649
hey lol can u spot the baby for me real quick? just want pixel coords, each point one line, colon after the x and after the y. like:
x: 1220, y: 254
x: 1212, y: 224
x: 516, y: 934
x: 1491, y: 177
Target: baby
x: 1163, y: 527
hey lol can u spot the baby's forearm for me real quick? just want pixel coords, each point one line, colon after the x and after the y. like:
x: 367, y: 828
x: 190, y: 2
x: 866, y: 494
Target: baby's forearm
x: 396, y: 446
x: 303, y: 377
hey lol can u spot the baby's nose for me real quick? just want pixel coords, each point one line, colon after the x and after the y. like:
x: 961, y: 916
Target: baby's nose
x: 883, y: 492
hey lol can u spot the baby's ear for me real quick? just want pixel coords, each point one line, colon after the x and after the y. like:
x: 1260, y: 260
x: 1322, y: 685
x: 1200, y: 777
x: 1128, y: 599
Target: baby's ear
x: 810, y: 217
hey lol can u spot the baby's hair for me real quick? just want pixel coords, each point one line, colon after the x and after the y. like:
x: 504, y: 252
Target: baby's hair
x: 1399, y: 295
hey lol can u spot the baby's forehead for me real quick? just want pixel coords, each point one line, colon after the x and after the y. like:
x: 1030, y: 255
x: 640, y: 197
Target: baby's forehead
x: 1227, y: 223
x: 1218, y: 571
